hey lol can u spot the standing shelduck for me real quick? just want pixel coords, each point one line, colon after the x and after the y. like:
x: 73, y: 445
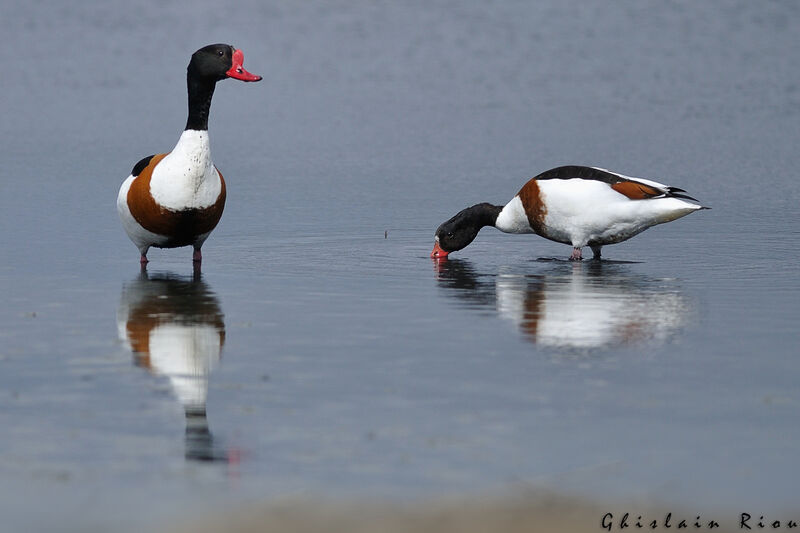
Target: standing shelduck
x: 575, y: 205
x: 176, y: 199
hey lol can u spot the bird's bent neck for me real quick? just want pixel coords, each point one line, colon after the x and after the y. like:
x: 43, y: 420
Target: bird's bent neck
x: 201, y: 90
x: 484, y: 214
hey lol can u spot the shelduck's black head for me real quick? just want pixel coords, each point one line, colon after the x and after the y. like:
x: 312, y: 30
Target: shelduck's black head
x: 459, y: 231
x: 209, y: 65
x: 216, y: 62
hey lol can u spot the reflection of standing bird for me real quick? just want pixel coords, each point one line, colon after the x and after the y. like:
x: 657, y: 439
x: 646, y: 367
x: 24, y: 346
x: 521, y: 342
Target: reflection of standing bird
x: 585, y: 306
x: 176, y: 199
x: 175, y: 328
x: 579, y: 206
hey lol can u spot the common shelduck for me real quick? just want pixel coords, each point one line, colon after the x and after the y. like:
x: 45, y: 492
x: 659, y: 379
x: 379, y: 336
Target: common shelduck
x: 575, y: 205
x: 176, y: 199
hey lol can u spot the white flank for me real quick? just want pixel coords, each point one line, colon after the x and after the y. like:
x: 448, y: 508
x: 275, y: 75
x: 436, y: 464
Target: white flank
x: 186, y: 178
x: 581, y: 211
x: 142, y: 238
x: 512, y: 219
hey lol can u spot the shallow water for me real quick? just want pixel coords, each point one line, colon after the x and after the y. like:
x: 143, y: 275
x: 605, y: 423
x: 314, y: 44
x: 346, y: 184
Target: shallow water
x: 321, y: 352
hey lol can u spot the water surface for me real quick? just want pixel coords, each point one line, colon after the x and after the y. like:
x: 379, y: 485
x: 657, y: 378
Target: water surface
x: 320, y: 352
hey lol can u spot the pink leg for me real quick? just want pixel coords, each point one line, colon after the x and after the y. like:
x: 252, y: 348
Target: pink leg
x: 576, y: 255
x: 197, y: 256
x: 143, y: 260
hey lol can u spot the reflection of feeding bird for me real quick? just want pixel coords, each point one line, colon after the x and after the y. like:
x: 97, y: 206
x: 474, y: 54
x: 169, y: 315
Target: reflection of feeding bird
x: 581, y: 307
x: 579, y: 206
x: 175, y: 328
x: 176, y: 199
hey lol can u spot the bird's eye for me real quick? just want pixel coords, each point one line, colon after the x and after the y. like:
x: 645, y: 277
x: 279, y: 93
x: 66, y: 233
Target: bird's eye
x: 221, y: 53
x: 449, y: 233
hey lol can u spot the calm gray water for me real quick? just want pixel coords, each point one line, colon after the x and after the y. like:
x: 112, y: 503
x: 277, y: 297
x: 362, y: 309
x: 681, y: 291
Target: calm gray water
x: 322, y: 353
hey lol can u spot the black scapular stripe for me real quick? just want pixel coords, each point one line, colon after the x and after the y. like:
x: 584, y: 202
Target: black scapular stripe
x: 138, y: 167
x: 589, y: 173
x: 576, y: 171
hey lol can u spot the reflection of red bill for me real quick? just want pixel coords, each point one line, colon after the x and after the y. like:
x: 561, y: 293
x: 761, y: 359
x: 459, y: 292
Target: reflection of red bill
x: 437, y: 252
x: 237, y: 71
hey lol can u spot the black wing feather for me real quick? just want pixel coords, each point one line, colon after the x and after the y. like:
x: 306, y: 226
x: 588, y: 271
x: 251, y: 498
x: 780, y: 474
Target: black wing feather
x: 138, y: 167
x: 591, y: 173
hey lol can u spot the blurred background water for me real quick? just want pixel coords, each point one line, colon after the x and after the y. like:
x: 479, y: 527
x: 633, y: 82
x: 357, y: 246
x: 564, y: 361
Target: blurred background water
x: 321, y: 353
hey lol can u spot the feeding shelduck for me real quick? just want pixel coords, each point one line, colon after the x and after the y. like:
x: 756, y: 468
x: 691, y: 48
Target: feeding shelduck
x: 575, y: 205
x: 176, y: 199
